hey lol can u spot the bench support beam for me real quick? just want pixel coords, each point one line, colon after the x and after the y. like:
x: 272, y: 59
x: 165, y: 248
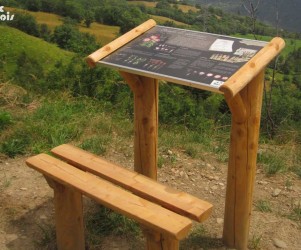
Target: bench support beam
x: 157, y: 241
x: 68, y: 217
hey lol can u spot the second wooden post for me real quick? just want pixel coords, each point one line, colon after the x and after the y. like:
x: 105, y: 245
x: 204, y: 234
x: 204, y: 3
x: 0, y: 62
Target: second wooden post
x: 242, y: 162
x: 146, y: 123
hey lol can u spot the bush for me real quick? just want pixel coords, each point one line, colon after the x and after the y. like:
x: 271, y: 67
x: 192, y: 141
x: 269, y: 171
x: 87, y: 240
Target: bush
x: 70, y: 38
x: 26, y: 23
x: 16, y: 144
x: 5, y: 119
x: 28, y: 72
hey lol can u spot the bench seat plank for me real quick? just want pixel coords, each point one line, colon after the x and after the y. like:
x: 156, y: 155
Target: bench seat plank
x: 145, y: 212
x: 172, y: 199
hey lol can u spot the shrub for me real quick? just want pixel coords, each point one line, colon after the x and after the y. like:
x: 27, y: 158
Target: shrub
x: 68, y: 37
x: 26, y: 23
x: 5, y: 119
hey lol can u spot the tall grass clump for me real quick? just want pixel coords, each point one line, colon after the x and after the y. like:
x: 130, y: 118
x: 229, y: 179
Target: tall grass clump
x: 272, y: 163
x: 105, y: 222
x: 56, y: 120
x: 5, y: 119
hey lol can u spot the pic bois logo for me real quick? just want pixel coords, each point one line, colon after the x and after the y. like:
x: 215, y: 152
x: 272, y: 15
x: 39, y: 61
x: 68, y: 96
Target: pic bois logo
x: 5, y: 16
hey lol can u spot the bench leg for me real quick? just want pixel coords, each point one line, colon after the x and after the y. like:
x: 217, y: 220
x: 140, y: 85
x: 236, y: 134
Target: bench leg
x: 157, y: 241
x: 68, y: 217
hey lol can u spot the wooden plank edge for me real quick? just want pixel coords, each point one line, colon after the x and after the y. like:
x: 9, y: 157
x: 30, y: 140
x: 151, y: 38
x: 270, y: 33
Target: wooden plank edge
x: 51, y: 162
x: 199, y: 213
x: 252, y: 68
x: 93, y: 58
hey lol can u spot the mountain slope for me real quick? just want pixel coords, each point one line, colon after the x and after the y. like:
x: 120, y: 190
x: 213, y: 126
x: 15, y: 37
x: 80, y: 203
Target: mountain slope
x: 14, y: 42
x: 289, y: 11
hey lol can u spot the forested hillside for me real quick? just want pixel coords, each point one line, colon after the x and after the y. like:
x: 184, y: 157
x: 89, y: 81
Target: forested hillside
x: 288, y: 10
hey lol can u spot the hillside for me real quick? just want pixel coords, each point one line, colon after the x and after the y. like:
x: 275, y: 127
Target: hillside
x: 289, y: 11
x: 14, y: 42
x: 184, y: 8
x: 103, y: 33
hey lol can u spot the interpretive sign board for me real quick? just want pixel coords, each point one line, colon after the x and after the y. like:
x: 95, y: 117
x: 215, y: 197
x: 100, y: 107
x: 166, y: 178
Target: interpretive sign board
x: 197, y: 59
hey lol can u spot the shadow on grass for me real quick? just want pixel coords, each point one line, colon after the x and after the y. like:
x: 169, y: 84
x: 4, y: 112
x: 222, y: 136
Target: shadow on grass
x: 202, y: 242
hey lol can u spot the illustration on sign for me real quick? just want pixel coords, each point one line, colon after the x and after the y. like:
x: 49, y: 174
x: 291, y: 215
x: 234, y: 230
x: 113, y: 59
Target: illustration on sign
x: 184, y: 56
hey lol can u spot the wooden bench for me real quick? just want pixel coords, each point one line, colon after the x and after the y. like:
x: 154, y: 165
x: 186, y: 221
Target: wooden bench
x: 161, y: 210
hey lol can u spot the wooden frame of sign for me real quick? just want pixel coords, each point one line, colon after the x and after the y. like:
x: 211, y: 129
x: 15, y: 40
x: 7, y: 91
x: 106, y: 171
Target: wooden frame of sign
x: 230, y: 66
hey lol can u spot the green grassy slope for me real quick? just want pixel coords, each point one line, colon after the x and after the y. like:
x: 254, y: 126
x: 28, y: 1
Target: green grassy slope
x: 14, y: 42
x: 161, y: 20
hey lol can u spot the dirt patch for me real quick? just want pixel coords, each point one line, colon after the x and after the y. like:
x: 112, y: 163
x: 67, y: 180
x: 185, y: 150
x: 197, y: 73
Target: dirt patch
x: 26, y: 207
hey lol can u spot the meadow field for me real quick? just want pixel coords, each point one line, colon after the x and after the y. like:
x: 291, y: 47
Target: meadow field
x: 103, y: 33
x: 184, y: 8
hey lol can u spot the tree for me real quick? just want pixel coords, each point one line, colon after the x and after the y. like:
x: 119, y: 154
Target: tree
x: 163, y: 5
x: 45, y: 32
x: 26, y: 23
x: 33, y: 5
x: 251, y: 6
x: 68, y: 37
x: 48, y: 5
x: 65, y: 35
x: 89, y: 18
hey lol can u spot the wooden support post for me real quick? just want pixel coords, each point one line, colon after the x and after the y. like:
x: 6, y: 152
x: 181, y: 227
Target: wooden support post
x: 146, y: 123
x: 145, y: 91
x: 158, y: 241
x: 242, y: 165
x: 68, y: 217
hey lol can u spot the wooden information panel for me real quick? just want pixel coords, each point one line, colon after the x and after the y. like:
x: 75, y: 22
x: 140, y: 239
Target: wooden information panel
x: 192, y: 58
x: 232, y: 66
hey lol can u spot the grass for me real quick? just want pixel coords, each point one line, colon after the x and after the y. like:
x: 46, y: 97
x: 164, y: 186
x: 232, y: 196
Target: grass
x: 105, y: 222
x: 295, y: 214
x: 162, y: 20
x: 145, y: 3
x: 276, y: 158
x: 254, y: 243
x: 263, y: 206
x: 272, y: 162
x: 48, y: 236
x: 14, y: 42
x: 200, y: 239
x: 5, y: 119
x: 187, y: 8
x: 103, y: 33
x: 52, y: 20
x: 296, y: 166
x: 60, y: 118
x: 5, y: 181
x: 184, y: 8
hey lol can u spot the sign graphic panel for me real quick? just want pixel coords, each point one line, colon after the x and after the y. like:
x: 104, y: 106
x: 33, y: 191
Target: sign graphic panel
x: 198, y: 59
